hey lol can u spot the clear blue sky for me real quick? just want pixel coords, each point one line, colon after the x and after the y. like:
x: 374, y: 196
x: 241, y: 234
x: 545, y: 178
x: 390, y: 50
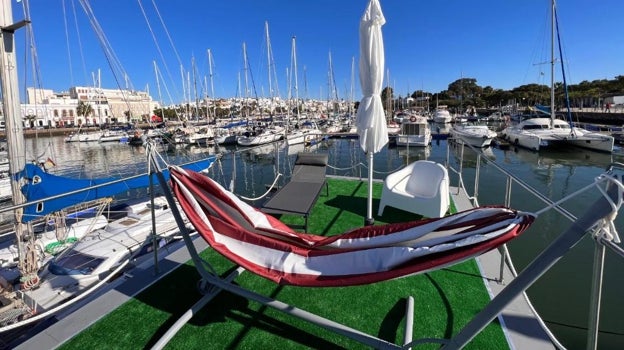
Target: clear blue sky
x: 428, y: 44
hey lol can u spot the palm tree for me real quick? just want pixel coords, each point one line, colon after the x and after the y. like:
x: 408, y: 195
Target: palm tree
x: 84, y: 109
x: 30, y: 120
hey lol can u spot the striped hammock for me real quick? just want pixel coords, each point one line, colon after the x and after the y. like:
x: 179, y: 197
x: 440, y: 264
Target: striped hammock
x: 267, y: 247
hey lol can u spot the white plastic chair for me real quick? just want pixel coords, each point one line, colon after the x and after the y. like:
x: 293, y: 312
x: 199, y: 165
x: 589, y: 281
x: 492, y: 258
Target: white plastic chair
x: 421, y: 187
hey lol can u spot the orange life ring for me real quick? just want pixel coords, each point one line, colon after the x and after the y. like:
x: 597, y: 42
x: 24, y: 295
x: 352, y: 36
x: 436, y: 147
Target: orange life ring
x: 413, y: 119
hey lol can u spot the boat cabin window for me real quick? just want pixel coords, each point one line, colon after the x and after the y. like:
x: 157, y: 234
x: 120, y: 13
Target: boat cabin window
x: 534, y: 127
x: 75, y: 263
x: 413, y: 129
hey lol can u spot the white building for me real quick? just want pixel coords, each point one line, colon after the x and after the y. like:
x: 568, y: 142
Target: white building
x: 45, y: 107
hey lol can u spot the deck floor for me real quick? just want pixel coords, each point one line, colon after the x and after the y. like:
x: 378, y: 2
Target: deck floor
x: 519, y: 324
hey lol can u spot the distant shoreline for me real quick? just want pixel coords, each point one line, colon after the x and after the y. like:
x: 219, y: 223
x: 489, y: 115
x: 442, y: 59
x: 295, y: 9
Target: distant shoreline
x: 599, y: 118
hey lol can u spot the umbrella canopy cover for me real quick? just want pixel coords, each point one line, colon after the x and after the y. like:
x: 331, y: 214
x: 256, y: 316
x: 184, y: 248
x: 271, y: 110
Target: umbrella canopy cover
x: 370, y: 120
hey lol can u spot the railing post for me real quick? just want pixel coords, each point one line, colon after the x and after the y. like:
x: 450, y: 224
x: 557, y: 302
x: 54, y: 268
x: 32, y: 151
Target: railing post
x: 508, y: 192
x: 476, y: 180
x: 504, y: 253
x: 596, y: 295
x: 539, y: 266
x: 233, y: 181
x: 154, y: 232
x: 461, y: 157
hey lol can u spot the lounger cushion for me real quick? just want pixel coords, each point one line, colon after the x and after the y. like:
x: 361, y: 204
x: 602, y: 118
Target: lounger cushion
x: 317, y: 159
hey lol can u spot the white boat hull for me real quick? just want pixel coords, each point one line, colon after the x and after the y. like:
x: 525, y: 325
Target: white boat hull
x: 536, y: 134
x: 260, y: 139
x: 48, y: 243
x: 413, y: 140
x: 303, y: 136
x: 90, y: 137
x: 474, y: 135
x: 113, y: 136
x: 414, y: 133
x: 98, y: 253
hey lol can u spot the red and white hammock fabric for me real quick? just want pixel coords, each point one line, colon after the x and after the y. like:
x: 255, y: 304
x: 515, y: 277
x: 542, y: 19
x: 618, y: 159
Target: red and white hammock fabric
x: 265, y: 246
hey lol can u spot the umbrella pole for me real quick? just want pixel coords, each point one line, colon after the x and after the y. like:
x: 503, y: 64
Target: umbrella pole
x: 369, y: 211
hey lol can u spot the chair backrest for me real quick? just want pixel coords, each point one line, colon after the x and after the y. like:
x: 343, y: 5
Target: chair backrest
x: 426, y: 178
x: 310, y: 167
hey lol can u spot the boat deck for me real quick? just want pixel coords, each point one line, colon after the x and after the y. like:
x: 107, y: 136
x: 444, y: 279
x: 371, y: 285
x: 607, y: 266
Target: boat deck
x: 81, y: 316
x: 519, y: 325
x: 518, y: 320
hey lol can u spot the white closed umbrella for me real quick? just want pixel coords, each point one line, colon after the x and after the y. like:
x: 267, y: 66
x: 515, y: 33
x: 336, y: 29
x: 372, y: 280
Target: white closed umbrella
x: 370, y: 119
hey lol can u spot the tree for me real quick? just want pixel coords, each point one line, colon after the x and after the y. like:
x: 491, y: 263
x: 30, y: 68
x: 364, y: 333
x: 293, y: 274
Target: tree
x: 465, y: 88
x: 30, y: 120
x: 166, y: 113
x: 84, y: 109
x: 387, y: 95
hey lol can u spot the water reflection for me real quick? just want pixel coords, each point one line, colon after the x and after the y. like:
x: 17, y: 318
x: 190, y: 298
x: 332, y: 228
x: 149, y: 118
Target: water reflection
x: 469, y: 155
x: 412, y: 154
x: 555, y: 174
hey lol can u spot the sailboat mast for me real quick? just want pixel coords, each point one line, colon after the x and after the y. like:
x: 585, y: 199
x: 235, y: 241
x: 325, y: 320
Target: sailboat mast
x: 388, y: 96
x: 552, y: 64
x: 332, y: 83
x: 288, y: 95
x: 294, y: 57
x: 14, y: 127
x: 246, y: 77
x: 352, y: 87
x: 162, y: 105
x: 212, y: 93
x: 266, y: 31
x: 195, y: 95
x: 183, y: 88
x: 305, y: 83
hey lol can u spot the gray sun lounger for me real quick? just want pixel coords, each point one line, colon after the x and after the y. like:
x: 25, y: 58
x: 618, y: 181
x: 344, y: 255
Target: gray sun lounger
x: 299, y: 195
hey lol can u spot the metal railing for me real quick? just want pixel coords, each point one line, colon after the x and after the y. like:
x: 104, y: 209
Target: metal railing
x: 601, y: 243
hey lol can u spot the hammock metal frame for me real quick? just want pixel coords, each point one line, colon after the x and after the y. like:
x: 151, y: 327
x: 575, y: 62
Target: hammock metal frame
x: 213, y: 284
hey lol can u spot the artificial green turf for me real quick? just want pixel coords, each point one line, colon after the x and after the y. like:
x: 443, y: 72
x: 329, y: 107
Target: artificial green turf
x: 445, y: 300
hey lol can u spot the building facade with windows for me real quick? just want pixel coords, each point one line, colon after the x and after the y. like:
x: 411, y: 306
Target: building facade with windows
x: 46, y: 108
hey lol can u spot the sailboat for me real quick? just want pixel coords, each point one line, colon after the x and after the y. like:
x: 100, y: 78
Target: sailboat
x: 258, y: 132
x: 54, y: 233
x: 36, y: 193
x: 546, y: 132
x: 307, y: 132
x: 93, y: 258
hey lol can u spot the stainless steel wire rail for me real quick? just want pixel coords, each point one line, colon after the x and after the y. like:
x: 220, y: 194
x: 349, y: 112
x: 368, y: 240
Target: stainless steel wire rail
x: 580, y: 226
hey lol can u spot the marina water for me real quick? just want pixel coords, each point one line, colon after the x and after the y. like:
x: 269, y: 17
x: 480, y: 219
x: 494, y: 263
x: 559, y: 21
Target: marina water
x: 561, y: 296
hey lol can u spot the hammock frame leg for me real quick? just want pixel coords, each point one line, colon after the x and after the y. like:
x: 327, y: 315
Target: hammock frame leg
x: 211, y: 294
x: 225, y: 284
x: 409, y: 320
x: 291, y: 310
